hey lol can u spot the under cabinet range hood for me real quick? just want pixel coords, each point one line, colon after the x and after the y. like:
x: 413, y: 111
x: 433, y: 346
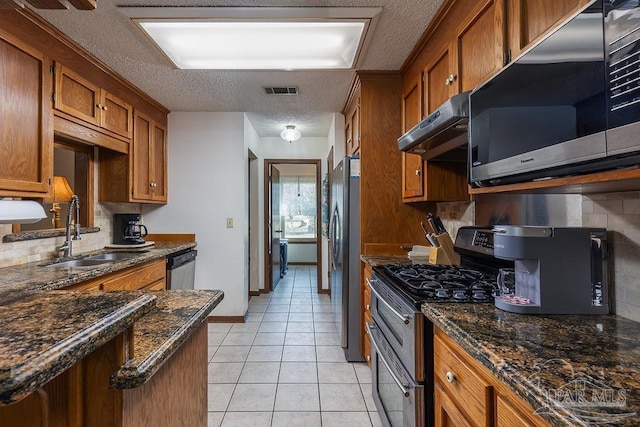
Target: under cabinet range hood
x: 442, y: 131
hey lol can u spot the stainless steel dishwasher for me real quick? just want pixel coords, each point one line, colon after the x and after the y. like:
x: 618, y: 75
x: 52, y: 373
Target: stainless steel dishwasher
x: 181, y: 269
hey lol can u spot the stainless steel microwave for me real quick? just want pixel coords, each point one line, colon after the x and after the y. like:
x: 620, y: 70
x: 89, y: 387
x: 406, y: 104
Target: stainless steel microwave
x: 568, y: 105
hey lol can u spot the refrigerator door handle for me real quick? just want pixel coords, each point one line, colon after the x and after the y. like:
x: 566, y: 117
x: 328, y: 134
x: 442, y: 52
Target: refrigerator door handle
x: 333, y: 236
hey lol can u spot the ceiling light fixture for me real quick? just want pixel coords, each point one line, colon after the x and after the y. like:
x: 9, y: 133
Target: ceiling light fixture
x: 290, y: 134
x: 257, y: 38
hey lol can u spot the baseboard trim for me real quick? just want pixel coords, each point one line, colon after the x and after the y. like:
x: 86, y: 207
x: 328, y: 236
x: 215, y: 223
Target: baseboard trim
x: 264, y: 291
x: 228, y: 319
x: 324, y: 291
x: 254, y: 293
x: 302, y: 263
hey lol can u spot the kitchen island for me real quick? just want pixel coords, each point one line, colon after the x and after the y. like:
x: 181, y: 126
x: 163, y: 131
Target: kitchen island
x: 101, y: 358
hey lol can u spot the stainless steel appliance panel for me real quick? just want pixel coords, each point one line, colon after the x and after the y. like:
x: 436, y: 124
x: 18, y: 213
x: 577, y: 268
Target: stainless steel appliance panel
x: 399, y: 399
x: 622, y: 44
x: 181, y: 270
x: 344, y: 236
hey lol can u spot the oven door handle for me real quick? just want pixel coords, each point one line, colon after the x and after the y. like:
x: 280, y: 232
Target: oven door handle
x: 403, y: 387
x: 406, y: 319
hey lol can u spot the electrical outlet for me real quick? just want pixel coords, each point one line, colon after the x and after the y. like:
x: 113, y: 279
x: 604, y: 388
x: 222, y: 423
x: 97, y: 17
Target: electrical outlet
x: 229, y: 222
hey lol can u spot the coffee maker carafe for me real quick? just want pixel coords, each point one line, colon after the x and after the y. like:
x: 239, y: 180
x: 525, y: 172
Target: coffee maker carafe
x: 127, y: 229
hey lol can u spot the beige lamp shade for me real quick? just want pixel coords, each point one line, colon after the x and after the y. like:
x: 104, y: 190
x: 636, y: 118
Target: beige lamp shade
x: 62, y: 192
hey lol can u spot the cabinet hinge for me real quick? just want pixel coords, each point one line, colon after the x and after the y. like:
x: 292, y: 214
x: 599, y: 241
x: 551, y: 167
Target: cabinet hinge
x: 507, y: 57
x: 53, y: 97
x: 52, y: 69
x: 131, y: 191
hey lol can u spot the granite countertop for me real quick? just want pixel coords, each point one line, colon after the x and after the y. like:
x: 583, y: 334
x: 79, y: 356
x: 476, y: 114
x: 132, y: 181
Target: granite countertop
x: 45, y: 332
x: 574, y: 370
x: 160, y: 333
x: 375, y: 260
x: 37, y: 276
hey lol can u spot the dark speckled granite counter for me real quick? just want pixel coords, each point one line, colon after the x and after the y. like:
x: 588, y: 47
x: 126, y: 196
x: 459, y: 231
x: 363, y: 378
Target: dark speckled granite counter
x: 45, y: 333
x: 160, y: 333
x: 46, y: 330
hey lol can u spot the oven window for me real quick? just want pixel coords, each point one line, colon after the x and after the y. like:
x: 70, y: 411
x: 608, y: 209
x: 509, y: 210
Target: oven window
x: 391, y: 320
x: 390, y: 395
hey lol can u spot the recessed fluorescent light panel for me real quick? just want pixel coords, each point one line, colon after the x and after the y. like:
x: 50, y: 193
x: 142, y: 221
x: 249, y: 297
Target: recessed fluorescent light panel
x: 257, y: 38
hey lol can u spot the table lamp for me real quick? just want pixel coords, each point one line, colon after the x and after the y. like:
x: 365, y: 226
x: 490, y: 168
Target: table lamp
x: 62, y: 193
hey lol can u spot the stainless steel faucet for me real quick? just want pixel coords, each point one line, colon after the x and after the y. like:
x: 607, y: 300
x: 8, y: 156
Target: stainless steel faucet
x: 67, y: 246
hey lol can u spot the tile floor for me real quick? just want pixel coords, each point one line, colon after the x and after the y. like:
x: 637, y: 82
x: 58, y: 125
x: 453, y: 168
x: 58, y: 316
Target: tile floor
x: 285, y: 366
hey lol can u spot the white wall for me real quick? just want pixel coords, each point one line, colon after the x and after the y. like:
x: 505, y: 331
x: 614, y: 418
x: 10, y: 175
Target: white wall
x: 207, y: 174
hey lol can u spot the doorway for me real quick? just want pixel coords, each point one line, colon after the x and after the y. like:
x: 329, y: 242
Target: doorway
x: 292, y: 219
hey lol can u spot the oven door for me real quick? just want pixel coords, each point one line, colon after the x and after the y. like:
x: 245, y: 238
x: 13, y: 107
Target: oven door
x: 401, y: 324
x: 398, y: 398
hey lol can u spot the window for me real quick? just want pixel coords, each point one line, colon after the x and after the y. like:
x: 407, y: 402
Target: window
x: 298, y: 207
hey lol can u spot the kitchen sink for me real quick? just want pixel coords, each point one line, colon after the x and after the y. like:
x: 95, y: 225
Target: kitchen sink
x: 113, y: 256
x: 85, y: 262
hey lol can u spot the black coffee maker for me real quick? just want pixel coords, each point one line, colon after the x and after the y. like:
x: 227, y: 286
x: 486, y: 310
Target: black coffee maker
x: 127, y: 229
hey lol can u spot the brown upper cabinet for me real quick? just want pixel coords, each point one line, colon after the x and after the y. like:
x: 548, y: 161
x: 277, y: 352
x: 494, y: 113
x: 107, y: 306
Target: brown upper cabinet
x: 26, y: 130
x: 352, y: 127
x: 81, y: 99
x: 467, y: 42
x: 140, y: 176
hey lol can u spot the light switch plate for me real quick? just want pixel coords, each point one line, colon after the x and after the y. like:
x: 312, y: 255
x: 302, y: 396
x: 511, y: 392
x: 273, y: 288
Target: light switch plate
x: 229, y: 222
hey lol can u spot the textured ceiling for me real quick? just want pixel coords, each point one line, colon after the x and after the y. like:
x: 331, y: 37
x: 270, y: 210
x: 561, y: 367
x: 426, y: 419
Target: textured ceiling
x: 112, y: 38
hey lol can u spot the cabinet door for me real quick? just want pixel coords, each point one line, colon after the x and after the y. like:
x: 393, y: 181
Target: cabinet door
x: 529, y: 19
x: 116, y: 115
x: 140, y: 157
x: 159, y: 162
x: 438, y: 86
x: 479, y: 45
x: 76, y: 96
x: 355, y: 126
x: 26, y: 120
x: 412, y: 182
x: 446, y: 412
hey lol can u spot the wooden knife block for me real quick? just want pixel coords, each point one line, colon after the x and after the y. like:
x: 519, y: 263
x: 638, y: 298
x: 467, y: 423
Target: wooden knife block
x: 444, y: 254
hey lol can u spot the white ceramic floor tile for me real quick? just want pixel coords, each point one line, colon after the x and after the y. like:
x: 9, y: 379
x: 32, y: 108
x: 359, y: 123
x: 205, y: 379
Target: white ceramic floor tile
x: 253, y: 397
x: 300, y: 327
x: 323, y: 317
x: 300, y: 308
x: 231, y: 353
x: 260, y: 372
x: 278, y: 308
x: 224, y: 373
x: 219, y: 327
x: 375, y: 419
x: 301, y: 317
x: 322, y: 308
x: 245, y: 327
x: 215, y: 338
x: 299, y: 338
x: 238, y: 338
x: 273, y: 327
x: 291, y: 419
x: 297, y: 397
x: 275, y: 317
x: 218, y: 396
x: 363, y: 372
x: 327, y: 338
x: 214, y: 419
x: 269, y: 338
x: 329, y: 353
x: 255, y: 317
x: 211, y: 350
x: 367, y: 393
x: 336, y: 373
x: 298, y: 372
x: 341, y: 397
x: 341, y: 419
x: 299, y: 353
x: 264, y: 353
x: 247, y: 419
x: 257, y: 308
x: 325, y: 327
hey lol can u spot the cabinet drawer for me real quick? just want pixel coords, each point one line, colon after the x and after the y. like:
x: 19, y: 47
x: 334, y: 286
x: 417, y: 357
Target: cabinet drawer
x: 459, y: 380
x: 137, y: 278
x: 366, y: 301
x: 367, y: 349
x: 156, y: 286
x: 90, y: 285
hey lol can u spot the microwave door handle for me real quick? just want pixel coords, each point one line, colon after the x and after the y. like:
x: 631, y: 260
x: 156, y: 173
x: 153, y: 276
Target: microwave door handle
x: 405, y: 319
x: 403, y: 387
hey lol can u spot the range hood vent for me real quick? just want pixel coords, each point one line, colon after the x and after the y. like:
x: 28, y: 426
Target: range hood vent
x: 442, y: 135
x: 285, y: 90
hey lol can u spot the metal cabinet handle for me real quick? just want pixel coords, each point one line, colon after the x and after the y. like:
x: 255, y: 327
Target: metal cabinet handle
x: 105, y: 108
x: 403, y: 387
x: 417, y: 172
x: 367, y: 307
x: 405, y: 319
x: 449, y: 80
x: 450, y: 377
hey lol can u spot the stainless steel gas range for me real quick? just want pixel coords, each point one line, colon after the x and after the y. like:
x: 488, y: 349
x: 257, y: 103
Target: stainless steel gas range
x: 402, y: 338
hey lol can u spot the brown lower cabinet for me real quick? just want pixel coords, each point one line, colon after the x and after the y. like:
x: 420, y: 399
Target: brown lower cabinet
x: 467, y: 394
x: 148, y: 276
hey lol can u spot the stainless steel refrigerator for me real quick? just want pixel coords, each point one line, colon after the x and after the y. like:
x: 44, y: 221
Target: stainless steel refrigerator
x: 344, y: 241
